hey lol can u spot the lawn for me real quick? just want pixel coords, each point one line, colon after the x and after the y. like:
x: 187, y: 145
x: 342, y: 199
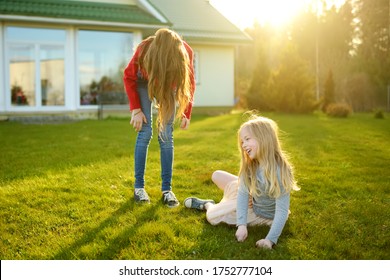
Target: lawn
x: 66, y: 191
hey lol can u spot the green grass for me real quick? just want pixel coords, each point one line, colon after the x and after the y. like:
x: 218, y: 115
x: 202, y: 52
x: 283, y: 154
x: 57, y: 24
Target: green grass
x: 66, y: 191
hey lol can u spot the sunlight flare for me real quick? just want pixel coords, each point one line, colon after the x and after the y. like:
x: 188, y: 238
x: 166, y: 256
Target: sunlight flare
x: 276, y: 12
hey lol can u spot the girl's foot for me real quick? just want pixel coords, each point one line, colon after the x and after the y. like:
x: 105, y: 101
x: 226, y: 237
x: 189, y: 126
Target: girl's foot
x: 140, y: 195
x: 170, y: 199
x: 197, y: 203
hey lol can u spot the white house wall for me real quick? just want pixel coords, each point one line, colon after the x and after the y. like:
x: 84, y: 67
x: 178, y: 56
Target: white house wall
x: 215, y: 81
x: 2, y: 72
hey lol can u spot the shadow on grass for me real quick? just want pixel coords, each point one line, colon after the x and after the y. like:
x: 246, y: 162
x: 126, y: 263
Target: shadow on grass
x: 218, y: 242
x: 115, y: 245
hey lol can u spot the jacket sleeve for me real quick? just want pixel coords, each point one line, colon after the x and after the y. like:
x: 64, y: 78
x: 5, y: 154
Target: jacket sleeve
x: 282, y: 205
x: 130, y: 81
x: 190, y: 52
x: 242, y: 205
x: 281, y: 215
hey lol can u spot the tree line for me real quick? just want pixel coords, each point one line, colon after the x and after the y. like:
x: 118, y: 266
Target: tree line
x: 338, y: 56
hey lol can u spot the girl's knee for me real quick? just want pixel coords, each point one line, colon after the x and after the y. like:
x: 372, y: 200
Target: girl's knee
x: 166, y: 136
x: 216, y: 176
x: 145, y: 134
x: 166, y: 143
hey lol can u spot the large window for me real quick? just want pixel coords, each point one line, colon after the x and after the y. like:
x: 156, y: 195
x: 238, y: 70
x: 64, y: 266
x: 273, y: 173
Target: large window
x: 102, y: 57
x: 36, y: 66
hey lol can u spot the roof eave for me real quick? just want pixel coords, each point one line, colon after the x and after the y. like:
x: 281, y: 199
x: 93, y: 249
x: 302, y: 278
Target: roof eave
x: 216, y: 42
x: 80, y: 22
x: 215, y: 37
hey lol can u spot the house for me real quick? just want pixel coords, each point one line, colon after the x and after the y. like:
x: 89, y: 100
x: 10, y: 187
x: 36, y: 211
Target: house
x: 60, y: 56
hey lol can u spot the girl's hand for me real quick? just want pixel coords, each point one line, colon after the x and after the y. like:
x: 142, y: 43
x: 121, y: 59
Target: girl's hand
x: 241, y: 233
x: 137, y: 118
x: 264, y: 243
x: 185, y: 123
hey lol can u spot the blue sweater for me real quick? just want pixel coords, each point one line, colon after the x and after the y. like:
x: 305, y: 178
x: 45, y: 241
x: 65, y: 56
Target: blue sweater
x: 265, y: 206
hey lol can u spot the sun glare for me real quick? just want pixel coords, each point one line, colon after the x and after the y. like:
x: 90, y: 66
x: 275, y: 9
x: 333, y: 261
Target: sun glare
x: 244, y: 13
x: 276, y: 12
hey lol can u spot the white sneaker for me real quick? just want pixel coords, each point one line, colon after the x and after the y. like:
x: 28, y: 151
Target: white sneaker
x: 170, y: 199
x: 197, y: 203
x: 140, y: 195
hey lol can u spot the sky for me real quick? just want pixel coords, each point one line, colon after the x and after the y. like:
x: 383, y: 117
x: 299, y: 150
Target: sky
x: 243, y: 13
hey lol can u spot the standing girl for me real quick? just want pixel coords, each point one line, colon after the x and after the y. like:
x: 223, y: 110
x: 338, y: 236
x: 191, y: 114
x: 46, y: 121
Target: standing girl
x: 161, y: 70
x: 260, y: 195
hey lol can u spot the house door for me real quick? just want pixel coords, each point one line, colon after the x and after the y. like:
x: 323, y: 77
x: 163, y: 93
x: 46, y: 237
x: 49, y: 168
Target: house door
x: 36, y: 68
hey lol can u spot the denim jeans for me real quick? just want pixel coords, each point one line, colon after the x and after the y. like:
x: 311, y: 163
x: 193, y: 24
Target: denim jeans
x: 165, y: 139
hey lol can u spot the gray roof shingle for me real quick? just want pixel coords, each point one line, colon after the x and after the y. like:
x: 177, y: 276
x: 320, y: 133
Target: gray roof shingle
x: 198, y: 20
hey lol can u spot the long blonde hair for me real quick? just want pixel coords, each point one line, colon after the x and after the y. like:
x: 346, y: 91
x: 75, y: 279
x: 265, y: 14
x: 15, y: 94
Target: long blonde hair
x: 165, y: 60
x: 269, y: 158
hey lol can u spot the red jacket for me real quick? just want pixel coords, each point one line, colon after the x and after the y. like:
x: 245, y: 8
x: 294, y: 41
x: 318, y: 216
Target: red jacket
x: 130, y: 80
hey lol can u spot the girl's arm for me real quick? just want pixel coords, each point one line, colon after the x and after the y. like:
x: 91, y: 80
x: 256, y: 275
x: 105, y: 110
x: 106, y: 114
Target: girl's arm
x: 130, y: 81
x: 242, y: 213
x: 282, y: 205
x: 281, y: 215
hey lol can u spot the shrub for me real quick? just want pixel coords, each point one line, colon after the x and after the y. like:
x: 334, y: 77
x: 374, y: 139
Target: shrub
x: 338, y: 110
x: 378, y: 114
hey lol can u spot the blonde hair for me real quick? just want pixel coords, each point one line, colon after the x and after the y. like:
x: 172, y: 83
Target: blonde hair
x: 165, y: 60
x: 269, y: 158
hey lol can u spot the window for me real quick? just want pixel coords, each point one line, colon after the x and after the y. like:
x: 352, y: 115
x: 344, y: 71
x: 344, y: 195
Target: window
x: 102, y: 57
x: 36, y: 61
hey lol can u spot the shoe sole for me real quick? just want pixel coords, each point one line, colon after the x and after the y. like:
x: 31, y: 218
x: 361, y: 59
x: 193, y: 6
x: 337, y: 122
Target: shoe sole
x: 172, y: 206
x: 167, y: 203
x: 139, y: 201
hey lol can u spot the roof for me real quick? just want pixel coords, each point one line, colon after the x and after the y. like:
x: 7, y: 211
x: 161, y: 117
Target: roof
x: 198, y: 20
x: 195, y: 20
x: 79, y: 10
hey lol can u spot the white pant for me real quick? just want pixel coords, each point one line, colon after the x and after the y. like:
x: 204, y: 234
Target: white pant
x: 225, y: 210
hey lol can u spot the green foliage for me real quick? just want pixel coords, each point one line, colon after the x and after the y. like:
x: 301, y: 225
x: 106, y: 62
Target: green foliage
x: 291, y: 89
x: 339, y: 110
x: 352, y: 40
x: 278, y: 89
x: 66, y: 191
x: 378, y: 114
x: 374, y: 50
x: 359, y: 92
x: 329, y: 96
x: 257, y: 94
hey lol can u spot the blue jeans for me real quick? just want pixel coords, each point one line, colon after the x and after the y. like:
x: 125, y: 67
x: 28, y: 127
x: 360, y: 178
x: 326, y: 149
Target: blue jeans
x: 165, y: 139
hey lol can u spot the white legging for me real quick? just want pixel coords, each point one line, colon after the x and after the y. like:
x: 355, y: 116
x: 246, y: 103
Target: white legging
x: 225, y: 210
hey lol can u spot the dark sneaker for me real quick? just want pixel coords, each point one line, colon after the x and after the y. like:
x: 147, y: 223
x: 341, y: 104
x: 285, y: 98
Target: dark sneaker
x: 197, y: 203
x: 140, y: 195
x: 170, y: 199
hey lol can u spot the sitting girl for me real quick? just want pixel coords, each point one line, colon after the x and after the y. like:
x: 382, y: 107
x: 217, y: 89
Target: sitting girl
x: 260, y: 195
